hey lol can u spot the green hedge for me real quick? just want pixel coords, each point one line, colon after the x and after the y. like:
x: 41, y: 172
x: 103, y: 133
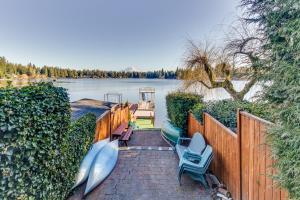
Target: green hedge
x: 178, y: 106
x: 75, y: 145
x: 38, y: 148
x: 225, y: 111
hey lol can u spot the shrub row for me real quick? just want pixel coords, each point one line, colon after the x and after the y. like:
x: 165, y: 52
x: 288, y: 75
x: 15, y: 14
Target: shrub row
x: 178, y: 106
x: 39, y: 146
x: 225, y: 111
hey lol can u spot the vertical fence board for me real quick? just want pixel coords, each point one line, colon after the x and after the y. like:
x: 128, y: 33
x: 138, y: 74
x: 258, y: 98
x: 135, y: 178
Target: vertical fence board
x: 245, y: 157
x: 251, y: 159
x: 262, y: 166
x: 256, y: 160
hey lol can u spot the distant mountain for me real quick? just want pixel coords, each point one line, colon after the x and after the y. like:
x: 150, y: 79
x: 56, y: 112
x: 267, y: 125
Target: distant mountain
x: 130, y: 69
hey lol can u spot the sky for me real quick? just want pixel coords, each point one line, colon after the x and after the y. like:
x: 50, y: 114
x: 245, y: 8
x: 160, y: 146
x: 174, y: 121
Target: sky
x: 109, y: 34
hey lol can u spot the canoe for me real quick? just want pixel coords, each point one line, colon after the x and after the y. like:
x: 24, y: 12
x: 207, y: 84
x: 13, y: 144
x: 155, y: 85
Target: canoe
x: 170, y: 132
x: 87, y: 161
x: 103, y: 165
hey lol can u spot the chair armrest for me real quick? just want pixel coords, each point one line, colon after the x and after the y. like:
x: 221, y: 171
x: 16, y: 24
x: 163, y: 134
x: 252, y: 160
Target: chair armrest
x: 191, y: 160
x: 189, y: 152
x: 182, y: 138
x: 195, y: 158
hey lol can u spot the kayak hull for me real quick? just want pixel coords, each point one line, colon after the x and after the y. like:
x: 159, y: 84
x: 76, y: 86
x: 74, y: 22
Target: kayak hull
x: 87, y: 161
x: 170, y: 132
x: 103, y: 165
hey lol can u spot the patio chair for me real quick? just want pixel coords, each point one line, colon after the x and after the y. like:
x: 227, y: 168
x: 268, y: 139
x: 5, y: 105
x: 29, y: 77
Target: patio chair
x: 196, y: 169
x: 193, y: 150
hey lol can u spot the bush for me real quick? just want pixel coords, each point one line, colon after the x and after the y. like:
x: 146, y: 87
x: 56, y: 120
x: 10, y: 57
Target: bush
x: 225, y: 111
x: 178, y: 106
x: 280, y: 21
x: 198, y: 111
x: 37, y: 148
x: 74, y: 147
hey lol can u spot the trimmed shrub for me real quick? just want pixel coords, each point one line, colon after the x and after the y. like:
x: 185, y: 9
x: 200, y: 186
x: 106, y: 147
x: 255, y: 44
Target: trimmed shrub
x: 74, y: 147
x: 198, y: 111
x: 225, y: 111
x: 37, y: 148
x: 178, y: 106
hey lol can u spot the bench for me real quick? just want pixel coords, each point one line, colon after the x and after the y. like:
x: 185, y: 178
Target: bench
x: 126, y: 135
x: 120, y: 130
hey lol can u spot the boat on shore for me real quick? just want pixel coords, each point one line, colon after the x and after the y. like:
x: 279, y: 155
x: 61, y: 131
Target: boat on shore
x: 170, y: 132
x: 87, y: 162
x: 103, y: 165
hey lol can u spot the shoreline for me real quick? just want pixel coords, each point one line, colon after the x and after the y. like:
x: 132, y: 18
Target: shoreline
x: 59, y: 78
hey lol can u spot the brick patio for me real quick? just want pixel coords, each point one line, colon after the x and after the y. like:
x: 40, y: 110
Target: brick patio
x: 145, y: 174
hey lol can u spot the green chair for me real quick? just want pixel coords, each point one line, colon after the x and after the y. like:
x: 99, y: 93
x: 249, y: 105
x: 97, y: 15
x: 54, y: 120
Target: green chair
x: 196, y: 168
x: 193, y: 150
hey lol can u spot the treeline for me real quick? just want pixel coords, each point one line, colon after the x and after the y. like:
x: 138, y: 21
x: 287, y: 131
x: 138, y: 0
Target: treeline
x: 8, y: 69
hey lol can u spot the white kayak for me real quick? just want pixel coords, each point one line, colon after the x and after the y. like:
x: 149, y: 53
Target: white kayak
x: 104, y: 163
x: 87, y: 161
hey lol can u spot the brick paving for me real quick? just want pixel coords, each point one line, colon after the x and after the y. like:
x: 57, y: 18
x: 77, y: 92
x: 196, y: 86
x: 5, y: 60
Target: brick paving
x: 142, y: 174
x: 147, y: 138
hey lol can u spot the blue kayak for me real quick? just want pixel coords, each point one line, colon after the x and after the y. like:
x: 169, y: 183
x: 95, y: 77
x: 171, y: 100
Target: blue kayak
x: 170, y: 132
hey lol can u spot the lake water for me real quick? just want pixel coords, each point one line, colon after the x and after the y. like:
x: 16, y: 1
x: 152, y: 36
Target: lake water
x: 129, y: 88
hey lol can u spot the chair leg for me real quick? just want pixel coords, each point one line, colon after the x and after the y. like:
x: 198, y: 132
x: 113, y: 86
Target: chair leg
x: 203, y: 181
x: 179, y: 179
x: 180, y: 172
x: 179, y: 176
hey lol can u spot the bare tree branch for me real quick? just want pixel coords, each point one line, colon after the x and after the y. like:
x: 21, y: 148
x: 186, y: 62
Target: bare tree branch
x: 210, y: 66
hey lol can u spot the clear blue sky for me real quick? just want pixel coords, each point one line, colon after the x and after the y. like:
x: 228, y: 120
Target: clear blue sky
x: 108, y: 34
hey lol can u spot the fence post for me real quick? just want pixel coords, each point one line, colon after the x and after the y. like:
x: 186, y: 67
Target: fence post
x: 239, y: 143
x: 109, y: 125
x: 203, y: 122
x: 189, y: 124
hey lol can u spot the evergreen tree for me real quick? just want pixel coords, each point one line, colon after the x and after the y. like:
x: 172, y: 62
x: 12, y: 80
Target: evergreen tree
x: 8, y: 69
x: 280, y: 22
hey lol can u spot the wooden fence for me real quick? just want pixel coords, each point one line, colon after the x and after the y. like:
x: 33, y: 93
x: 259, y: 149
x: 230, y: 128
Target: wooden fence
x: 194, y: 125
x: 225, y: 164
x: 241, y: 160
x: 103, y: 126
x: 109, y: 121
x: 256, y: 160
x: 119, y: 116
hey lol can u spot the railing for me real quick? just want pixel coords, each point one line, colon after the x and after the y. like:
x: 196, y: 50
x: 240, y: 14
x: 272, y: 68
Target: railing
x: 241, y: 160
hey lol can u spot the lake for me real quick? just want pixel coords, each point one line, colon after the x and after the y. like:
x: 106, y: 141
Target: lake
x: 129, y: 88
